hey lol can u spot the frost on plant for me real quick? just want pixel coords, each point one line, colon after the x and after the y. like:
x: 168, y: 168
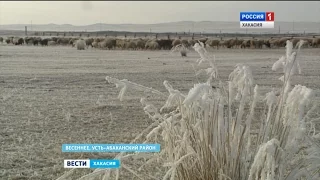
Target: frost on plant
x: 229, y: 132
x: 242, y: 80
x: 199, y: 48
x: 289, y: 62
x: 212, y: 71
x: 265, y: 163
x: 125, y: 84
x: 150, y: 109
x: 196, y: 93
x: 288, y: 119
x: 175, y: 97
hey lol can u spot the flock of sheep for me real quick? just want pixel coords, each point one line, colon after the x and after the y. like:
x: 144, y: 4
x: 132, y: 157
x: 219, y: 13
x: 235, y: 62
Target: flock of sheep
x: 158, y: 44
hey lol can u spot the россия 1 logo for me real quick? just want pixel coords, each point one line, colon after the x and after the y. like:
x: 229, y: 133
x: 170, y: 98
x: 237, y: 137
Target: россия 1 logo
x: 258, y: 20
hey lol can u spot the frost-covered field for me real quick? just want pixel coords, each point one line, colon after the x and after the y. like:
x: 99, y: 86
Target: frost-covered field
x: 55, y: 95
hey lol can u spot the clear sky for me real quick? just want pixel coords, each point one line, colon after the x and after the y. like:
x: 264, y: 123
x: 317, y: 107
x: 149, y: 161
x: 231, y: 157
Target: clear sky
x: 142, y: 12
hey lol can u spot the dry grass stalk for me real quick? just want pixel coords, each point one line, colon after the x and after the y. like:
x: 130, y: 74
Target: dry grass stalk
x: 209, y: 135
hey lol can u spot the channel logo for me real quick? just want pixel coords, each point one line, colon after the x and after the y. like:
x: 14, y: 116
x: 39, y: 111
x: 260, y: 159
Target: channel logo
x: 257, y: 20
x: 92, y: 163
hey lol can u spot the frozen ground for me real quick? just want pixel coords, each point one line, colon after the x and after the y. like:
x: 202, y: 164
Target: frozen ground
x: 55, y: 95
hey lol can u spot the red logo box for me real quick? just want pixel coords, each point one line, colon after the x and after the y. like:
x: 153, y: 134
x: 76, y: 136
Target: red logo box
x: 269, y: 16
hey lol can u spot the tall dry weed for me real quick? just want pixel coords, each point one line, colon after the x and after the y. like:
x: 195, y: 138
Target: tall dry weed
x: 212, y: 133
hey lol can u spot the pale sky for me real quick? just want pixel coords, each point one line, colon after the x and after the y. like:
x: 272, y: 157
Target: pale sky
x: 143, y: 12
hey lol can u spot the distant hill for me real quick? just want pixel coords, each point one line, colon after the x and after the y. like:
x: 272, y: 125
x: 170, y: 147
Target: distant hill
x: 182, y: 26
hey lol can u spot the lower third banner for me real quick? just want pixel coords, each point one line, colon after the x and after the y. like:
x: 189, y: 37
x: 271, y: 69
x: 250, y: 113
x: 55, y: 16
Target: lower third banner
x: 92, y: 163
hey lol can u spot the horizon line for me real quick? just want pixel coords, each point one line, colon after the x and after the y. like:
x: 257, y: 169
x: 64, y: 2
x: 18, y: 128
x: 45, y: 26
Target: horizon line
x: 152, y: 23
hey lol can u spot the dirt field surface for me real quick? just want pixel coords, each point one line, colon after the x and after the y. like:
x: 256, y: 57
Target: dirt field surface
x: 51, y: 96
